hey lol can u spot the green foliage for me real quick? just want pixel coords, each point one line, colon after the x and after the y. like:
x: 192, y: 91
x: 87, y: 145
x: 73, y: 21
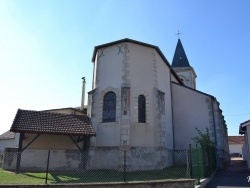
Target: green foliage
x: 203, y: 139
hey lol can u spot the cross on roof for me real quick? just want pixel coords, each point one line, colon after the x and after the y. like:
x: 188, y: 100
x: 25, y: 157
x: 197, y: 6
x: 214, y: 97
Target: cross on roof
x: 178, y: 34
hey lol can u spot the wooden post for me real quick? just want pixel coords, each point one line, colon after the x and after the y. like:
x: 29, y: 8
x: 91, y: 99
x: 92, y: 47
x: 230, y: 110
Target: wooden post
x: 86, y: 141
x: 47, y: 168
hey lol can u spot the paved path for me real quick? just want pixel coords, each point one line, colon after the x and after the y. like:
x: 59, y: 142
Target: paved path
x: 233, y: 177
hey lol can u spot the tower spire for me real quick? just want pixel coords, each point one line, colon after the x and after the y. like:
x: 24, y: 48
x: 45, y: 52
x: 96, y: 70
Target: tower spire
x: 180, y: 59
x: 181, y: 66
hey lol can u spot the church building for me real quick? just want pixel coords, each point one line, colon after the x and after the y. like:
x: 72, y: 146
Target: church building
x: 139, y: 103
x: 140, y: 100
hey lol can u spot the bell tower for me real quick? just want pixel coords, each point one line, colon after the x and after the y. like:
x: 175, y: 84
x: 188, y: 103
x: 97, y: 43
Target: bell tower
x: 181, y: 66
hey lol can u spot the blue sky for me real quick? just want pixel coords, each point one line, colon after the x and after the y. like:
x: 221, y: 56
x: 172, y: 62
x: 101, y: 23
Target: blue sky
x: 46, y: 48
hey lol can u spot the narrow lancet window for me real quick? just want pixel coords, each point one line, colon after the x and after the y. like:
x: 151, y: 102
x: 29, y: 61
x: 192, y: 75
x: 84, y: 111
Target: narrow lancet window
x: 142, y: 109
x: 109, y: 107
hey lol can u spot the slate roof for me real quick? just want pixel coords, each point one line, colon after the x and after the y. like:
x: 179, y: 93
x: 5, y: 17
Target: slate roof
x: 7, y: 135
x: 236, y: 139
x: 51, y: 123
x: 180, y: 59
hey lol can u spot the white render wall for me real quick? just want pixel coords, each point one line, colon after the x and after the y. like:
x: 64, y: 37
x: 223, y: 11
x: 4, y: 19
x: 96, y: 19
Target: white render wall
x: 247, y: 143
x: 235, y: 148
x: 142, y: 70
x: 244, y: 152
x: 191, y: 109
x: 53, y: 142
x: 9, y: 143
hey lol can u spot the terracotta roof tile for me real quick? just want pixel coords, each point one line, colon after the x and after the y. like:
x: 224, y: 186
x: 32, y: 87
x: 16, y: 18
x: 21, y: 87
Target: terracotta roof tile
x: 51, y: 123
x: 236, y: 139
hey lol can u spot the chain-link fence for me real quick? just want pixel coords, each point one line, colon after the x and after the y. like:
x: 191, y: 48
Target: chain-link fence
x: 97, y: 165
x: 1, y: 157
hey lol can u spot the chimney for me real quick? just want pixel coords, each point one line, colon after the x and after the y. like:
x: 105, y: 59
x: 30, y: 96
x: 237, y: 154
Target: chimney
x: 83, y: 93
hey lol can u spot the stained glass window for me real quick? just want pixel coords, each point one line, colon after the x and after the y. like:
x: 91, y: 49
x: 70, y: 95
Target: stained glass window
x: 109, y: 107
x: 141, y: 109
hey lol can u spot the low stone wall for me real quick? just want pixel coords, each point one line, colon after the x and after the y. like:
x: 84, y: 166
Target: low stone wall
x: 137, y: 158
x: 109, y: 158
x: 185, y: 183
x: 36, y: 160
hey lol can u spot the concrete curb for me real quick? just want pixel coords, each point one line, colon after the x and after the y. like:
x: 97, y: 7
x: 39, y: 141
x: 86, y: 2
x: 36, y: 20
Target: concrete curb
x: 205, y: 181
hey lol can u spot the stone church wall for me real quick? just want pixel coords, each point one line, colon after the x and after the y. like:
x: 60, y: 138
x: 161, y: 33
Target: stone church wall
x: 164, y: 103
x: 192, y: 109
x: 131, y: 70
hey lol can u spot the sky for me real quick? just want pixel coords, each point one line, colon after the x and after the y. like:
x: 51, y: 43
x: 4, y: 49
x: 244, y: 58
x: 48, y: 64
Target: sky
x: 46, y: 48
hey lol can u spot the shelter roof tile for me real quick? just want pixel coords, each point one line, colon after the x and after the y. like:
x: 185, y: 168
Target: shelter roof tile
x: 51, y: 123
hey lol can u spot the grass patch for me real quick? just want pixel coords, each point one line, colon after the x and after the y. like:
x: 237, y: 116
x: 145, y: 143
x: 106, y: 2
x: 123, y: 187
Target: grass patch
x: 10, y: 178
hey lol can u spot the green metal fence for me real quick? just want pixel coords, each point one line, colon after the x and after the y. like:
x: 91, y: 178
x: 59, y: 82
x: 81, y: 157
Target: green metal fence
x: 202, y: 161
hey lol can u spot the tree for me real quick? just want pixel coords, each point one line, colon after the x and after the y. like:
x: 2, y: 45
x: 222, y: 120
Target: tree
x: 208, y: 150
x: 203, y: 139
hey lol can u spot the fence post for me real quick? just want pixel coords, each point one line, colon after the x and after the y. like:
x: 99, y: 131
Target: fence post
x: 47, y: 168
x: 198, y: 163
x: 125, y: 162
x: 190, y: 161
x: 209, y: 161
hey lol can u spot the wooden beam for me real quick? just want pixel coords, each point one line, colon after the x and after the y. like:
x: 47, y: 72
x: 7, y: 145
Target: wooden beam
x: 75, y: 143
x: 31, y: 142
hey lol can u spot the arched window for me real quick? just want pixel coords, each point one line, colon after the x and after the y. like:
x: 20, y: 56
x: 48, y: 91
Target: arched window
x: 109, y: 107
x: 141, y: 109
